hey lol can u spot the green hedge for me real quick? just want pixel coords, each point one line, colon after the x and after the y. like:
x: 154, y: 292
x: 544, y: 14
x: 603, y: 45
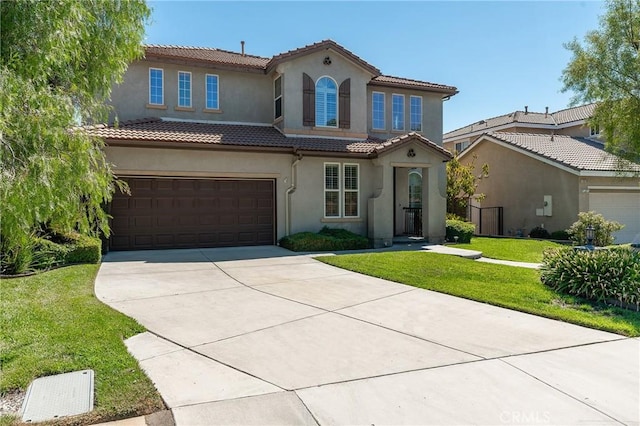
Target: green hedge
x: 461, y: 229
x: 327, y: 239
x: 602, y: 275
x: 70, y: 249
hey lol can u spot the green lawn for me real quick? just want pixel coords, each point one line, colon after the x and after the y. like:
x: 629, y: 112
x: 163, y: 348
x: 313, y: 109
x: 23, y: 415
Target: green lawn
x: 52, y: 323
x: 521, y: 250
x: 507, y: 286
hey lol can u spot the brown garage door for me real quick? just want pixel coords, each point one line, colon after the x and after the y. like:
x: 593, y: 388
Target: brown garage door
x: 181, y: 213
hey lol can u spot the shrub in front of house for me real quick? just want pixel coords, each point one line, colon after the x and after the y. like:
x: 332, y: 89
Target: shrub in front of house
x: 603, y: 229
x: 461, y: 229
x: 611, y: 275
x: 328, y: 239
x: 539, y: 232
x: 65, y: 250
x: 560, y: 235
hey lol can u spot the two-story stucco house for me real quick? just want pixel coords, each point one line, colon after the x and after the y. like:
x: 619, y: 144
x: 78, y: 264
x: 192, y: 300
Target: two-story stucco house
x: 545, y: 168
x: 229, y: 149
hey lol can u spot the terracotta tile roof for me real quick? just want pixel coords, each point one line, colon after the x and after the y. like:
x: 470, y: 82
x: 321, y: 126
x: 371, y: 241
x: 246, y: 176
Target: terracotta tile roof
x: 204, y: 54
x: 576, y: 153
x: 237, y: 135
x: 552, y: 119
x: 578, y: 113
x: 398, y: 140
x: 324, y: 44
x: 390, y: 81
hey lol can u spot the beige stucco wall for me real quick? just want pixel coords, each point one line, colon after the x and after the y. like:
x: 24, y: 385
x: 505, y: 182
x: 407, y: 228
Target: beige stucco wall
x: 519, y: 183
x: 243, y: 96
x: 431, y: 113
x: 340, y: 69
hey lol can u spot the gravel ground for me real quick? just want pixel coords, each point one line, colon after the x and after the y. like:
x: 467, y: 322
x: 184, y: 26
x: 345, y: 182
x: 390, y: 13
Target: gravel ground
x: 11, y: 402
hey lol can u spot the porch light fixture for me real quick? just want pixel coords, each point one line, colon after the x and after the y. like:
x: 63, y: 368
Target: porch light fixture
x: 590, y: 233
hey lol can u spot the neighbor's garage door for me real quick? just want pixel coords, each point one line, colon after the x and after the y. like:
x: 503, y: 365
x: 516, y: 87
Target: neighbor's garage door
x: 182, y: 213
x: 623, y: 207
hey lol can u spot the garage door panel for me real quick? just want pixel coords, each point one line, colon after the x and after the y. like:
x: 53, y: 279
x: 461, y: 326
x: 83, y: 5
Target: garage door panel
x: 623, y: 207
x: 179, y: 213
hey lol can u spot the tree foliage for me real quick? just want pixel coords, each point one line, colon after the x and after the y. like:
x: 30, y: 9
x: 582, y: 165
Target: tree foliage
x: 462, y: 184
x: 606, y: 69
x: 58, y: 62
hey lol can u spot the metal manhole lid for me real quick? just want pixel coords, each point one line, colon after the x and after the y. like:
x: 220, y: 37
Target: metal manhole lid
x: 62, y: 395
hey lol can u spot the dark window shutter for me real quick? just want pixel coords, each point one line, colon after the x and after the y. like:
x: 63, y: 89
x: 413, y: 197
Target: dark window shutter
x: 308, y: 101
x: 345, y: 104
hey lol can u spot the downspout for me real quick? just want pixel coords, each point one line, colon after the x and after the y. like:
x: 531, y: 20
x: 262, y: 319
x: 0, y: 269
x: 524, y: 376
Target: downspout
x: 287, y: 198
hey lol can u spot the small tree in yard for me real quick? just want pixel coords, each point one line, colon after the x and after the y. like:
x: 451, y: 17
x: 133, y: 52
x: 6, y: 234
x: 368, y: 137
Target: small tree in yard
x: 602, y: 227
x: 58, y: 60
x: 462, y: 185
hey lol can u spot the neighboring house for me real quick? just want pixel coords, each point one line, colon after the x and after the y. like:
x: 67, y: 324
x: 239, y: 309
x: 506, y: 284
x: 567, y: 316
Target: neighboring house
x: 569, y: 122
x: 229, y: 149
x: 546, y: 180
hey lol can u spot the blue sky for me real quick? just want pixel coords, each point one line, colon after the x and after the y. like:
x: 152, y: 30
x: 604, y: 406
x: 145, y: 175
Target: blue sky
x: 501, y: 55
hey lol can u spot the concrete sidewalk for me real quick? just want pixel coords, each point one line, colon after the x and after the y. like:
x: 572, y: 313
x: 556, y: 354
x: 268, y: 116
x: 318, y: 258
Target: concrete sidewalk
x: 264, y: 336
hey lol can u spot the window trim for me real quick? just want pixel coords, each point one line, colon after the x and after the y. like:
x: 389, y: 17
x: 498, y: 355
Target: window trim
x: 161, y: 89
x: 384, y: 118
x: 393, y: 128
x: 190, y: 97
x: 463, y: 145
x: 337, y: 126
x: 206, y: 92
x: 594, y: 131
x: 345, y: 190
x: 411, y: 129
x: 275, y: 98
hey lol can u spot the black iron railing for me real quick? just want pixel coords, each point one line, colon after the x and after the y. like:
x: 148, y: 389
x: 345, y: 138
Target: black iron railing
x: 413, y: 221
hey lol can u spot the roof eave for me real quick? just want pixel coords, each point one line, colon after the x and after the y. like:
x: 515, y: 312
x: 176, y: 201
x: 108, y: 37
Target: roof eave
x: 445, y: 91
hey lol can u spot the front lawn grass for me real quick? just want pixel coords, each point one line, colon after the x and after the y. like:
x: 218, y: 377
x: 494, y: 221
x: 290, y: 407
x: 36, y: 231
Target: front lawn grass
x: 517, y: 249
x: 506, y: 286
x: 52, y: 323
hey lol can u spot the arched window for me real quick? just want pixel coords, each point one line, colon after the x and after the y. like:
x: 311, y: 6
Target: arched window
x: 326, y: 102
x: 415, y: 188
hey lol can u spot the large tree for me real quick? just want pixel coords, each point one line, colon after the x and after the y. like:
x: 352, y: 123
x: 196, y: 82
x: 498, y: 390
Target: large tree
x: 58, y: 61
x: 606, y: 69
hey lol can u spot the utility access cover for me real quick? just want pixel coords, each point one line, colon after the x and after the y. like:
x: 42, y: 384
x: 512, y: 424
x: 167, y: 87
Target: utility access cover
x: 62, y: 395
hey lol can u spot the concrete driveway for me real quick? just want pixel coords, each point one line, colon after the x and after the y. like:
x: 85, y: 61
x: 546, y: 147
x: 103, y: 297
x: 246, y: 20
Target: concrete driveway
x: 263, y: 336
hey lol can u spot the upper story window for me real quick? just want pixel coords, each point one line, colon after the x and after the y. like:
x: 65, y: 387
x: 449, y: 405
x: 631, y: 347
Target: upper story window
x: 277, y: 97
x: 184, y: 89
x: 594, y: 130
x: 397, y: 112
x: 460, y: 146
x: 212, y: 93
x: 377, y: 113
x: 156, y: 86
x: 415, y: 113
x: 326, y: 102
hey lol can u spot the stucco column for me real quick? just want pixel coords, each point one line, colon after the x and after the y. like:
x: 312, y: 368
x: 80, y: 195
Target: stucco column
x: 380, y: 207
x: 434, y: 211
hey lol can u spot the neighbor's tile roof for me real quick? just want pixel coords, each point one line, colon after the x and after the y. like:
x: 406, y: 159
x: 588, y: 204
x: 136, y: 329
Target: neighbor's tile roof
x: 551, y: 119
x: 390, y: 81
x: 226, y: 58
x: 207, y: 55
x: 577, y: 153
x: 236, y: 135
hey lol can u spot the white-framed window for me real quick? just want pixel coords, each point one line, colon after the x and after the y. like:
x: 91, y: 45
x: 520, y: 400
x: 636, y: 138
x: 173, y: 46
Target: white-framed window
x: 594, y: 130
x: 397, y: 112
x: 377, y: 111
x: 461, y: 146
x: 415, y: 188
x: 277, y: 97
x: 184, y: 89
x: 326, y: 102
x: 156, y: 86
x: 415, y: 113
x: 332, y: 189
x: 341, y: 190
x: 351, y: 195
x: 212, y: 92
